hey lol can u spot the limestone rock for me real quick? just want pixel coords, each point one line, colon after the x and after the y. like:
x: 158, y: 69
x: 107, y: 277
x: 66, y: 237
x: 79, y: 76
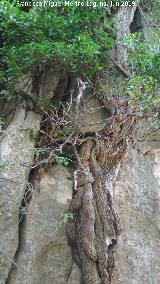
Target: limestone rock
x: 137, y: 199
x: 124, y: 19
x: 75, y: 276
x: 92, y: 114
x: 16, y: 150
x: 50, y: 84
x: 44, y: 255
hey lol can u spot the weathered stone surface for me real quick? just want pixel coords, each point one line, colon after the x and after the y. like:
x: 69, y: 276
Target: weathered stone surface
x: 44, y: 255
x: 75, y: 276
x: 124, y: 19
x: 91, y: 117
x: 139, y: 23
x: 25, y: 84
x: 137, y: 199
x: 16, y: 148
x: 50, y: 84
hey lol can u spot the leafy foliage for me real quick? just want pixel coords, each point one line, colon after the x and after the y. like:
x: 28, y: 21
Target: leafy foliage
x: 32, y: 134
x: 43, y: 153
x: 72, y: 39
x: 152, y: 7
x: 144, y: 62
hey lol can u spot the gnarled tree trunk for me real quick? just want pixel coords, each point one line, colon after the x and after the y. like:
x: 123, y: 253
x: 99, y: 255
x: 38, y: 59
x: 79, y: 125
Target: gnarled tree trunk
x: 94, y: 230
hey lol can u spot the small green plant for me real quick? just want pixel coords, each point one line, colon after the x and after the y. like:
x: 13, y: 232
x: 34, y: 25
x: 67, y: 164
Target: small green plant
x: 32, y: 134
x: 59, y: 135
x: 46, y: 153
x: 61, y: 160
x: 156, y: 123
x: 41, y: 151
x: 143, y: 88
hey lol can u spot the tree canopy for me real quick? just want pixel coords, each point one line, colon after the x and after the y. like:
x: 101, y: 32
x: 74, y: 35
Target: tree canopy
x: 71, y: 39
x: 76, y: 40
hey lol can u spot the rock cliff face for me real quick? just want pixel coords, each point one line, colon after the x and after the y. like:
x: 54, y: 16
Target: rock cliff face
x: 137, y: 198
x: 44, y: 255
x: 16, y: 149
x: 33, y: 241
x: 40, y: 250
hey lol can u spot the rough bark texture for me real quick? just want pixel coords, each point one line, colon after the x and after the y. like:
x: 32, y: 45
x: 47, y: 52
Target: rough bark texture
x: 94, y: 229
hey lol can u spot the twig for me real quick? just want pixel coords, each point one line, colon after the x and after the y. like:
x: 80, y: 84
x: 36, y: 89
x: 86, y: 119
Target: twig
x: 66, y: 141
x: 81, y: 87
x: 125, y: 72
